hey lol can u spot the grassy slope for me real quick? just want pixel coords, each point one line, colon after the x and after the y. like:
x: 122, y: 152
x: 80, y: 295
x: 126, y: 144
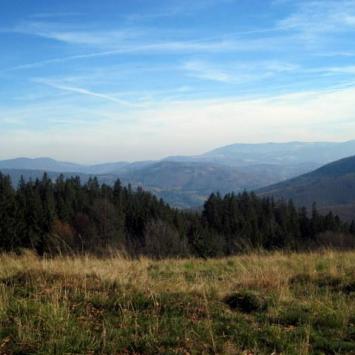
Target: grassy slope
x: 295, y: 304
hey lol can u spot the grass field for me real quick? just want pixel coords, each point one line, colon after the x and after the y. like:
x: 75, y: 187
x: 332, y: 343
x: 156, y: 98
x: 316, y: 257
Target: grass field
x: 255, y: 304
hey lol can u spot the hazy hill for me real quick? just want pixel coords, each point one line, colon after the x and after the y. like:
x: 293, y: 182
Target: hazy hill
x: 332, y: 187
x: 46, y: 164
x: 186, y: 181
x: 293, y: 156
x: 195, y: 176
x: 188, y: 184
x: 51, y: 165
x: 182, y: 184
x: 286, y: 154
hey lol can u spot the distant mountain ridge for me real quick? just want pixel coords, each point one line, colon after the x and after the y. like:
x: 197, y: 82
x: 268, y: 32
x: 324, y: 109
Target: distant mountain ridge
x: 291, y: 153
x: 285, y: 154
x: 186, y: 181
x: 49, y: 164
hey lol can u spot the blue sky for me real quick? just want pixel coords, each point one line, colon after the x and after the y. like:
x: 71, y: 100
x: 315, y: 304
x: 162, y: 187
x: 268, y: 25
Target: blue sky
x: 108, y: 80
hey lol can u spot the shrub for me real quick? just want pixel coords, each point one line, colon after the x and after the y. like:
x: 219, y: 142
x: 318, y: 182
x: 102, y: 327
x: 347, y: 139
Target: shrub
x: 246, y: 302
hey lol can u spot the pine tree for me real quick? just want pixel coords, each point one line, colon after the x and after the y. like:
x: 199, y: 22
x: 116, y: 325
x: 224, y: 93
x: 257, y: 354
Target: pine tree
x: 352, y: 227
x: 8, y: 236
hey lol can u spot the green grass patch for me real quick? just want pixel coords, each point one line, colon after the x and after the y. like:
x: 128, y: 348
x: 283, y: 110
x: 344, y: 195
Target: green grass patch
x: 193, y: 306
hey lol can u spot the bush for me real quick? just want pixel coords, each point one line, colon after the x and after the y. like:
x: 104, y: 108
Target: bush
x: 246, y: 302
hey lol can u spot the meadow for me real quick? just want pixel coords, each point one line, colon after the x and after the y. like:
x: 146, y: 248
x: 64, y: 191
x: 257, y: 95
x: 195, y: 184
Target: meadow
x: 268, y: 303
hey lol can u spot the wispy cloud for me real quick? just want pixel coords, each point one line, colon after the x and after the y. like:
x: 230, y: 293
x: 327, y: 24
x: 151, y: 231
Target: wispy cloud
x: 349, y: 69
x: 340, y: 53
x: 162, y: 47
x: 82, y: 91
x: 175, y: 8
x: 237, y: 72
x: 316, y: 17
x: 76, y: 34
x: 310, y: 18
x: 128, y: 40
x: 203, y: 70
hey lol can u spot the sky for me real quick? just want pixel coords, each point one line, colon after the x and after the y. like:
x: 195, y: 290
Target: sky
x: 94, y: 81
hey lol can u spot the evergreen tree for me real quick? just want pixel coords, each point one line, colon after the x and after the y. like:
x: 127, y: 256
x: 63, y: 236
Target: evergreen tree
x: 47, y: 217
x: 8, y: 236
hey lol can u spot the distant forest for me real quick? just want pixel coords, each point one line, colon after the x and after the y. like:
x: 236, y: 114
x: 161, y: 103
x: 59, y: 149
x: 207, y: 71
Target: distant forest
x: 68, y: 217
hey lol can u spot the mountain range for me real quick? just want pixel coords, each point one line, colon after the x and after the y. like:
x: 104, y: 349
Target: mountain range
x: 284, y: 154
x: 332, y: 187
x: 186, y: 181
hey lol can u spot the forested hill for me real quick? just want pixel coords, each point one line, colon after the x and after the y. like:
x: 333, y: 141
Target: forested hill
x: 34, y: 174
x: 70, y: 217
x: 331, y: 186
x: 182, y: 184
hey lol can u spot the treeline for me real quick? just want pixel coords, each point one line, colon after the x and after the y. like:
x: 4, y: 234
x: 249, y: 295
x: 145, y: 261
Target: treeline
x: 67, y: 216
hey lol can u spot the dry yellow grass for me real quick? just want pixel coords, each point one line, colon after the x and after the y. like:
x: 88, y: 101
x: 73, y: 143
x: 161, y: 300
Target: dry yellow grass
x: 266, y: 271
x: 177, y: 305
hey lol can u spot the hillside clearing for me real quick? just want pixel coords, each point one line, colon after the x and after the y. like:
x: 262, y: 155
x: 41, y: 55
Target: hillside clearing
x: 281, y: 303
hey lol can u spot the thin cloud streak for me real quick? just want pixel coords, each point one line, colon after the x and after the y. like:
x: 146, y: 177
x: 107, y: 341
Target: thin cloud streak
x: 234, y: 73
x: 335, y: 16
x: 86, y: 92
x: 197, y: 46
